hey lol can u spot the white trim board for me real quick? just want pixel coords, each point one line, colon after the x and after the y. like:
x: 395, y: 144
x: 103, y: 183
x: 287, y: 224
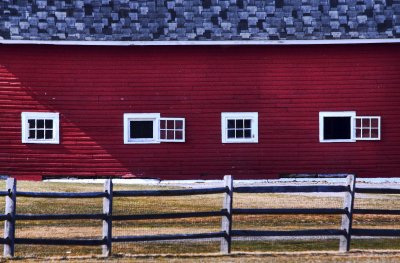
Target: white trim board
x: 200, y: 43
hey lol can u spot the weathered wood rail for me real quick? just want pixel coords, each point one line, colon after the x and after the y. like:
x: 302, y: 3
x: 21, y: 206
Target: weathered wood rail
x: 344, y: 233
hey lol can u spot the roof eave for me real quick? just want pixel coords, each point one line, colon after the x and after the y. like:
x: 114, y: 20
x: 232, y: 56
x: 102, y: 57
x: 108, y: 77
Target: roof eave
x: 200, y: 43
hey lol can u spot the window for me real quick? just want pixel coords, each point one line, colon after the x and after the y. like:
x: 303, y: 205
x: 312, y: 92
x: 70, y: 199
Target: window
x: 172, y: 130
x: 239, y: 127
x: 40, y: 127
x: 347, y: 127
x: 146, y: 128
x: 368, y: 128
x: 336, y: 126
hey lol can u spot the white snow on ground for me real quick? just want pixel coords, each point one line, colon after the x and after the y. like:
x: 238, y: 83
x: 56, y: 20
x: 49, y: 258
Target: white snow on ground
x: 361, y: 182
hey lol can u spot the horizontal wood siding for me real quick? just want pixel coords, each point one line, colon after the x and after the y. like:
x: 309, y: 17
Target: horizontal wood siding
x: 92, y: 87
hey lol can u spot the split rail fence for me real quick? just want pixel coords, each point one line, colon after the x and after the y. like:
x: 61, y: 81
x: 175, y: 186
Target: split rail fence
x: 227, y: 211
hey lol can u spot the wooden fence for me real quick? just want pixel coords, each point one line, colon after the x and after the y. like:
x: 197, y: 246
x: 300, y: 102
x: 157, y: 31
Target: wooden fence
x: 227, y: 211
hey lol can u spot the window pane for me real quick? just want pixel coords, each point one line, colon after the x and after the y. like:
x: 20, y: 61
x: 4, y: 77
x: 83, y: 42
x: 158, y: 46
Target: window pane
x: 336, y: 128
x: 247, y: 123
x: 170, y: 135
x: 40, y: 134
x: 40, y: 123
x: 239, y: 134
x: 374, y: 133
x: 374, y: 123
x: 162, y: 124
x: 365, y: 123
x: 49, y: 134
x: 170, y: 124
x: 231, y: 133
x: 247, y: 133
x: 365, y: 133
x: 163, y: 134
x: 231, y: 124
x: 239, y: 123
x: 31, y: 124
x: 48, y: 124
x: 179, y: 135
x: 358, y: 123
x: 31, y: 134
x: 358, y: 133
x: 179, y: 124
x: 141, y: 129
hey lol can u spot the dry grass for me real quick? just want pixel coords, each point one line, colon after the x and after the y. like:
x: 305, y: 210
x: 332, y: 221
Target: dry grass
x: 312, y: 256
x: 140, y: 205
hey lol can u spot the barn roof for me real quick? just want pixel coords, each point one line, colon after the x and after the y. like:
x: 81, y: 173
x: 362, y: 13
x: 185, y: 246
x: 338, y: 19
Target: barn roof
x: 198, y: 20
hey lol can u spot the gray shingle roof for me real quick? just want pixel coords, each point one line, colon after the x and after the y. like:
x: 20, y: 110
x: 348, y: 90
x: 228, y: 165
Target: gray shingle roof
x: 146, y: 20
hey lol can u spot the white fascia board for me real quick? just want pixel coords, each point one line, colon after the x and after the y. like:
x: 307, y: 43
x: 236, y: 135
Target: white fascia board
x: 201, y: 43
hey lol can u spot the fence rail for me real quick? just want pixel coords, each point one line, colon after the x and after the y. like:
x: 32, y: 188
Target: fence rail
x: 291, y: 189
x: 345, y: 232
x: 204, y: 191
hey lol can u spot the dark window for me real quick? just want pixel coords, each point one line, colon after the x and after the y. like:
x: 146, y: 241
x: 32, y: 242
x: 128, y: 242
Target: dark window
x: 49, y: 134
x: 31, y: 124
x: 337, y: 128
x: 40, y: 134
x: 32, y: 134
x: 40, y: 129
x: 49, y: 124
x: 231, y: 124
x: 141, y: 129
x: 239, y: 128
x: 40, y: 124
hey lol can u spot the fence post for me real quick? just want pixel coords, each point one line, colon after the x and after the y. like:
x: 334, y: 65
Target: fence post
x: 226, y: 225
x: 107, y: 221
x: 9, y: 224
x: 347, y: 219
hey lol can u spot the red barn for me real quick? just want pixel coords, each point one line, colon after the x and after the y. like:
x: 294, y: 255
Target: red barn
x: 196, y: 90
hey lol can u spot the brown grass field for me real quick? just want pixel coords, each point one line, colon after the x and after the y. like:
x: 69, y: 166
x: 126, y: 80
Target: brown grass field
x: 288, y: 250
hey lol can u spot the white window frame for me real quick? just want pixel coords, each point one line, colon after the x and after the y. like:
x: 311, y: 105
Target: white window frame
x: 175, y: 129
x: 155, y: 118
x: 354, y: 117
x: 54, y: 116
x: 323, y: 114
x: 128, y: 117
x: 253, y: 116
x: 370, y: 128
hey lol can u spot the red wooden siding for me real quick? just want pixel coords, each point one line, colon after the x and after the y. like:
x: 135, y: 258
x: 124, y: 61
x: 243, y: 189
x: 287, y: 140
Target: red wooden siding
x: 92, y: 87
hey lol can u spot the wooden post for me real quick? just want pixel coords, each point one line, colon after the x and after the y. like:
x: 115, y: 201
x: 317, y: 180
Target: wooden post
x: 226, y: 224
x: 9, y: 224
x: 107, y: 222
x: 347, y: 219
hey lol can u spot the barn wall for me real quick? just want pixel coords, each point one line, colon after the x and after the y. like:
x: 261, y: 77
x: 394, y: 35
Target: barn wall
x: 92, y: 87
